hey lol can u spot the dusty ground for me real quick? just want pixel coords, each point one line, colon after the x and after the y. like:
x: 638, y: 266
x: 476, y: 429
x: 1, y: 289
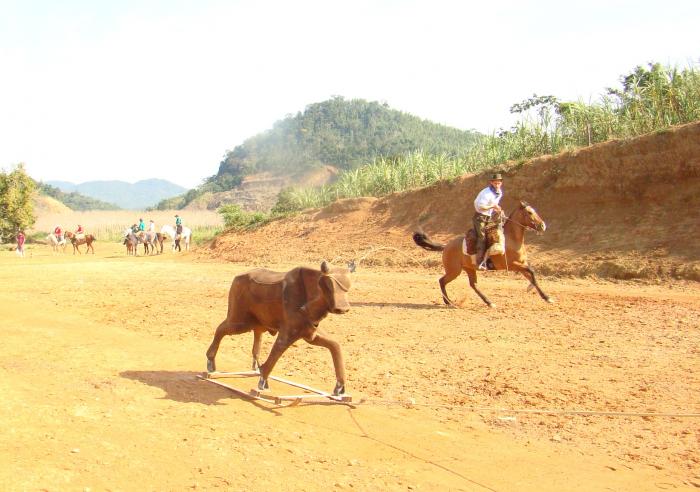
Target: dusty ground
x: 99, y: 356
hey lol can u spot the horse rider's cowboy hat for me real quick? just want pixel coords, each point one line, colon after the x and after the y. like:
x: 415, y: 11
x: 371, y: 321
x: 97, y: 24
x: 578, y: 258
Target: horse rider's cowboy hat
x: 496, y: 177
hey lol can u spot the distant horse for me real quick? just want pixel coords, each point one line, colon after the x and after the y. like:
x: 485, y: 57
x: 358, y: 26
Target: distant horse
x: 184, y: 236
x: 150, y: 242
x: 87, y: 239
x: 515, y: 258
x: 131, y: 241
x: 56, y: 245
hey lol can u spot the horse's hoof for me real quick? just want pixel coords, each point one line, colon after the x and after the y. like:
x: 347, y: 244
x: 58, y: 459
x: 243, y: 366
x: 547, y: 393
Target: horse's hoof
x: 211, y: 365
x: 492, y: 305
x: 339, y: 389
x: 551, y: 300
x: 262, y: 384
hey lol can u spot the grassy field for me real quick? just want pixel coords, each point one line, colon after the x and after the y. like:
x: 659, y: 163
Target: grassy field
x: 108, y: 225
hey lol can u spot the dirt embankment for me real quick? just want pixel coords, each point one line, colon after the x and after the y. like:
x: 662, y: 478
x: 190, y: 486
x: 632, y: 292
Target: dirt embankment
x: 622, y: 209
x: 258, y: 192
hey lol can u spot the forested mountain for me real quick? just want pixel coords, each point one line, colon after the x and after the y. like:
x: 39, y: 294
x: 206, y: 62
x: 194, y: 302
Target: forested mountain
x: 73, y: 199
x: 139, y: 195
x: 342, y: 133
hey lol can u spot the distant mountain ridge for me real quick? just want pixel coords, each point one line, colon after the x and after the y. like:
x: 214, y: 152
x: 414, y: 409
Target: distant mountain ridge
x: 142, y: 194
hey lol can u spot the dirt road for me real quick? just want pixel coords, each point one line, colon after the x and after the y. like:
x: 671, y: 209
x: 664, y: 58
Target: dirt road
x: 100, y: 355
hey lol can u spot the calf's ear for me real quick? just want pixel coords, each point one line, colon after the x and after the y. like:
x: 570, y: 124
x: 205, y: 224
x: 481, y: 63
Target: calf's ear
x: 324, y: 268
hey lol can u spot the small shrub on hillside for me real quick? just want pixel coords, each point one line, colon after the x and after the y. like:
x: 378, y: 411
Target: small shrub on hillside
x: 236, y: 218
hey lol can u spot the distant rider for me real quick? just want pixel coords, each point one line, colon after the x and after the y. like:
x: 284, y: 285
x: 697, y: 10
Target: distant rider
x: 487, y: 201
x: 79, y: 232
x: 58, y: 232
x: 151, y: 226
x: 142, y: 225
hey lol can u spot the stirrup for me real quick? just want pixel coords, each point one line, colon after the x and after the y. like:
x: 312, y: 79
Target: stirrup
x: 482, y: 266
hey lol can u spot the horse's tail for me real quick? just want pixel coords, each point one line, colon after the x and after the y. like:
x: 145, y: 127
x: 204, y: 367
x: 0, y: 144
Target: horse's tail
x: 424, y: 242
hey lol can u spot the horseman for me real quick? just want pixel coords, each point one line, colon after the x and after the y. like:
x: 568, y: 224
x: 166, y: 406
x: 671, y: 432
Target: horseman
x: 151, y: 226
x: 58, y: 232
x: 79, y: 232
x: 142, y: 225
x: 487, y: 201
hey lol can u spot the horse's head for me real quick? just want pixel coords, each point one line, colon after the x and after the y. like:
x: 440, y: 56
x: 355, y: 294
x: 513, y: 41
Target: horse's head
x: 334, y: 287
x: 528, y: 217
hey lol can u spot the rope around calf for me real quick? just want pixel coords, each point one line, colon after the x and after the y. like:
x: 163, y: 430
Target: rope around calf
x: 473, y: 409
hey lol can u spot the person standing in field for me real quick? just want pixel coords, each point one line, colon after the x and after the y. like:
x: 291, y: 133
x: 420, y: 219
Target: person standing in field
x: 178, y: 232
x: 20, y: 243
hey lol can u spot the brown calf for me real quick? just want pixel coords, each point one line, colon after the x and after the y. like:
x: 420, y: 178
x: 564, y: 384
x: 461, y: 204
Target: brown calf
x: 289, y: 305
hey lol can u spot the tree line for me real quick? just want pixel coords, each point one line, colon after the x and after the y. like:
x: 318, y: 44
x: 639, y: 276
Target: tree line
x: 16, y: 208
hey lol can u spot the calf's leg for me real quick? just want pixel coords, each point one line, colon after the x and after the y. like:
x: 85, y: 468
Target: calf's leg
x: 227, y: 327
x: 281, y: 344
x: 257, y: 337
x: 322, y: 340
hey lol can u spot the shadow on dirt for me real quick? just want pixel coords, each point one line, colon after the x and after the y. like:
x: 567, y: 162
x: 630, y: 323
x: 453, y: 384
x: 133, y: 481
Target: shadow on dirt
x: 185, y: 387
x: 404, y: 305
x: 182, y: 386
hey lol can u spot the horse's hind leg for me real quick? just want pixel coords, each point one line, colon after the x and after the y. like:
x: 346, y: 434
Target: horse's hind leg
x: 227, y: 327
x: 449, y: 276
x: 529, y: 274
x: 322, y: 340
x: 472, y: 283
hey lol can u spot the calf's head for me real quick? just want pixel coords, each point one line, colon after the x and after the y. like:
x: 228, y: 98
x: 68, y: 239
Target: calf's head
x: 334, y: 288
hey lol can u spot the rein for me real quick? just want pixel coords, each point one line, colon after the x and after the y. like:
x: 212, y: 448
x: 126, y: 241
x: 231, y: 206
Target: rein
x: 521, y: 225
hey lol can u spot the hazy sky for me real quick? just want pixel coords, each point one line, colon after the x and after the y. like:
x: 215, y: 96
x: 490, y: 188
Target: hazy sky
x: 138, y: 89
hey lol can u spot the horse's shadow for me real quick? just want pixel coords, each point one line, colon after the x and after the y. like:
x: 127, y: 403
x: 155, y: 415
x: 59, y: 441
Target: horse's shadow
x: 186, y: 387
x: 406, y: 305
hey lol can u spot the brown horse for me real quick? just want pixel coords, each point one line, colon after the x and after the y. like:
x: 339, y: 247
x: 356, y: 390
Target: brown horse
x: 515, y: 258
x: 87, y: 239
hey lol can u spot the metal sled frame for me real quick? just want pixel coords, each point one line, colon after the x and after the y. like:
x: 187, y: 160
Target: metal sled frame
x: 313, y: 396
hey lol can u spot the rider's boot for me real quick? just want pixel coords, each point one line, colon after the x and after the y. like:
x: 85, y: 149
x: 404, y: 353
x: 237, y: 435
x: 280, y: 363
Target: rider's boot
x: 480, y: 253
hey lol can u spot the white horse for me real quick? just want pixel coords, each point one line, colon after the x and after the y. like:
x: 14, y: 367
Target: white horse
x: 56, y: 244
x: 184, y: 237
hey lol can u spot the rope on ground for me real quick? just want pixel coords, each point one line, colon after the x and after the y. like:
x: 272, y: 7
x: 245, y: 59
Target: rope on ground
x: 374, y: 249
x: 411, y: 403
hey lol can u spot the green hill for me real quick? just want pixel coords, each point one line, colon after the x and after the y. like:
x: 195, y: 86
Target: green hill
x: 339, y: 133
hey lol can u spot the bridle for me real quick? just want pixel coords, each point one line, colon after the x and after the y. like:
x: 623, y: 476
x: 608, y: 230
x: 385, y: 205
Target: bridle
x: 524, y: 226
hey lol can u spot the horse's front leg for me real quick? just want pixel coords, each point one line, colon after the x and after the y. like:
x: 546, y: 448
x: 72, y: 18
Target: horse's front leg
x: 529, y: 274
x: 322, y: 340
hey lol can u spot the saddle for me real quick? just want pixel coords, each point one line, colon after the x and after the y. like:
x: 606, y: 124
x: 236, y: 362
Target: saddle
x: 495, y: 241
